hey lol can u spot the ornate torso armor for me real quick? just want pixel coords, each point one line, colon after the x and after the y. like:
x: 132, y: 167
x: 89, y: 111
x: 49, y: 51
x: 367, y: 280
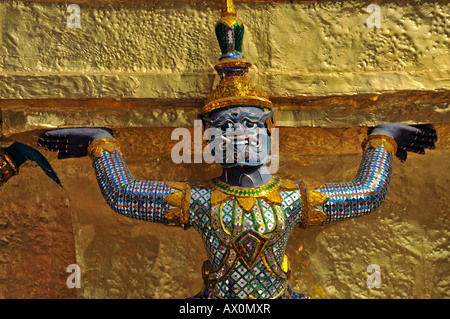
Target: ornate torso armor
x: 245, y: 234
x: 245, y: 230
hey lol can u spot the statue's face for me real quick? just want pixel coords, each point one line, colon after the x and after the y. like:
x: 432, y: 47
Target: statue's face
x: 239, y: 136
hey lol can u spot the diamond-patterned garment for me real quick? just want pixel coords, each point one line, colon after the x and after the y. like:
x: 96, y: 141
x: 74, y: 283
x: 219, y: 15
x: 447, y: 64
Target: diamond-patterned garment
x: 245, y: 230
x: 128, y: 196
x: 365, y: 193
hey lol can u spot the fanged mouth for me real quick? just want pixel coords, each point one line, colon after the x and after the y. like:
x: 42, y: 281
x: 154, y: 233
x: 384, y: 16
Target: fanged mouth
x: 243, y: 141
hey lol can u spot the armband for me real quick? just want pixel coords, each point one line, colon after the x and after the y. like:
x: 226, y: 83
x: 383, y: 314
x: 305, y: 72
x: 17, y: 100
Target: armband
x: 178, y: 216
x: 377, y: 140
x: 109, y: 145
x: 311, y: 198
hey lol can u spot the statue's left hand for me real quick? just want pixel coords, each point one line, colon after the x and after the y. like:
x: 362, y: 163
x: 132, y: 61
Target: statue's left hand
x: 409, y: 138
x: 72, y: 142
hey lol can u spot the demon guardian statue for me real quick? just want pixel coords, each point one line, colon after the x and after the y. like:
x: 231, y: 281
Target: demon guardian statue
x: 244, y: 216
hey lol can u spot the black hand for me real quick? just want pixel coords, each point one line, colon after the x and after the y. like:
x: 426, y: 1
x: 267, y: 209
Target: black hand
x: 72, y: 142
x: 409, y: 138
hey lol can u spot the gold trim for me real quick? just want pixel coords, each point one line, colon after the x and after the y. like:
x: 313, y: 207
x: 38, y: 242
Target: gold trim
x: 218, y: 197
x: 286, y: 267
x: 236, y: 91
x: 260, y: 191
x: 178, y: 216
x: 8, y: 167
x: 96, y: 148
x: 310, y: 199
x: 274, y: 198
x: 289, y: 185
x: 204, y: 184
x: 229, y: 21
x: 229, y: 63
x: 174, y: 199
x: 228, y: 8
x: 221, y: 221
x: 247, y: 197
x: 246, y: 203
x: 377, y: 140
x: 237, y: 101
x: 9, y: 160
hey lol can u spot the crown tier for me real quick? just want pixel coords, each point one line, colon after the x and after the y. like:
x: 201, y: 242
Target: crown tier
x: 234, y: 88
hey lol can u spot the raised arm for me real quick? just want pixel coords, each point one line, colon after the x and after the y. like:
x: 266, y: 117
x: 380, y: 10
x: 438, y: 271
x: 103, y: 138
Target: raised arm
x: 154, y: 201
x: 334, y: 202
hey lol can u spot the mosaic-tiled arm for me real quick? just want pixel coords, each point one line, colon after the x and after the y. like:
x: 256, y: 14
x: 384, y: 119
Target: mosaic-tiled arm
x: 160, y: 202
x: 334, y: 202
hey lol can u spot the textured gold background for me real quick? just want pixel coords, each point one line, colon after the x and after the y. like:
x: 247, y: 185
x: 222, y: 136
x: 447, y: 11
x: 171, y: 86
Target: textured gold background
x: 167, y: 49
x: 138, y: 67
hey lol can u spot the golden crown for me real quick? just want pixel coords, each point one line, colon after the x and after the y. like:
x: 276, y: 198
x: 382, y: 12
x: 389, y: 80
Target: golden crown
x: 234, y: 88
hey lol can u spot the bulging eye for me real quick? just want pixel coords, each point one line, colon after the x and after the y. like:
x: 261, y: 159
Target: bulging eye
x: 250, y: 124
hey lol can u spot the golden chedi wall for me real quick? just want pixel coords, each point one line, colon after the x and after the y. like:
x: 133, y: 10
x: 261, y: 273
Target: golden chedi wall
x: 145, y: 67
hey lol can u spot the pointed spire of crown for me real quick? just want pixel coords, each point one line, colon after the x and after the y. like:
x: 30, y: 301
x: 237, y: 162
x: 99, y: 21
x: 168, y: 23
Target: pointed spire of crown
x: 228, y: 8
x: 234, y: 88
x: 230, y: 31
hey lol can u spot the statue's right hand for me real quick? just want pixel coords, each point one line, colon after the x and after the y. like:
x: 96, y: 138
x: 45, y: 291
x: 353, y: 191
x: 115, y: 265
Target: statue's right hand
x: 72, y: 142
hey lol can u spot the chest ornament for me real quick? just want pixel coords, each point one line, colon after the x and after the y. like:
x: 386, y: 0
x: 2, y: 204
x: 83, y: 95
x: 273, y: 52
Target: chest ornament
x: 247, y: 197
x: 250, y: 244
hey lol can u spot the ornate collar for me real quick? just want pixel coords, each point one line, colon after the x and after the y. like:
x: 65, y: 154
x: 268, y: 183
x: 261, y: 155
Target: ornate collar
x: 247, y: 192
x: 247, y: 197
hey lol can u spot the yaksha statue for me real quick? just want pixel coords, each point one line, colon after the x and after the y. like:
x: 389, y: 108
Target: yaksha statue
x: 244, y: 216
